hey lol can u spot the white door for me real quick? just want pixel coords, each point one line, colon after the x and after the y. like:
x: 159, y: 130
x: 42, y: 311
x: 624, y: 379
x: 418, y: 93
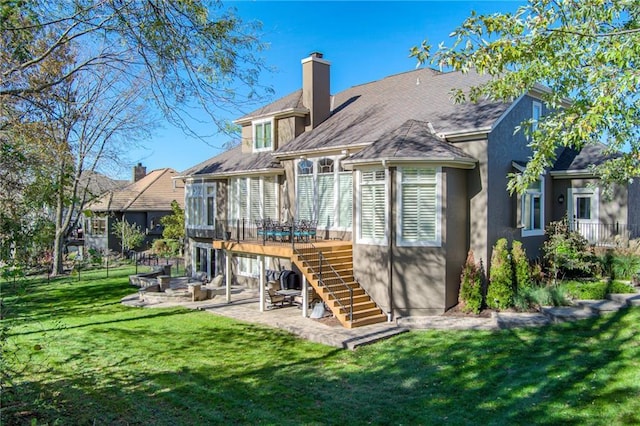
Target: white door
x: 583, y: 212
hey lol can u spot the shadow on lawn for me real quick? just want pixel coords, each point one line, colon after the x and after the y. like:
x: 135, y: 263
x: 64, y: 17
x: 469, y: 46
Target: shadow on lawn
x: 225, y: 371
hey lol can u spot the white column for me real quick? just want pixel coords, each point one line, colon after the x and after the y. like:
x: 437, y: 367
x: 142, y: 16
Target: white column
x: 305, y: 296
x: 261, y: 282
x: 227, y: 274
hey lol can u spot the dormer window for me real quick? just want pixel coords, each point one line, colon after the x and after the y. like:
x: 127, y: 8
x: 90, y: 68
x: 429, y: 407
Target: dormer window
x: 263, y: 135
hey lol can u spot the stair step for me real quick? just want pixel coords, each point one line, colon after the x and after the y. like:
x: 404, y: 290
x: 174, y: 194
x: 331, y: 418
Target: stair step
x: 358, y: 307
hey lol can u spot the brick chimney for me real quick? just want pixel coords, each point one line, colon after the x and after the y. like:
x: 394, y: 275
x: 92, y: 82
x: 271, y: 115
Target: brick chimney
x: 316, y: 95
x: 139, y: 171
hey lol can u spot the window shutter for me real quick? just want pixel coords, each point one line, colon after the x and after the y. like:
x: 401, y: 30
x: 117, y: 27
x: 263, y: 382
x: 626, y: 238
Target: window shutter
x: 305, y: 197
x: 255, y: 201
x: 373, y: 206
x: 326, y: 200
x: 419, y: 209
x: 345, y: 207
x: 243, y: 199
x: 270, y: 198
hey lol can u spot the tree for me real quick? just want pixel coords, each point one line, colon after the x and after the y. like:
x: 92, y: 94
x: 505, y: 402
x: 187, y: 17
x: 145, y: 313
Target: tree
x: 585, y: 52
x: 173, y: 223
x: 129, y: 234
x: 186, y: 53
x: 500, y: 292
x: 471, y: 286
x: 76, y: 75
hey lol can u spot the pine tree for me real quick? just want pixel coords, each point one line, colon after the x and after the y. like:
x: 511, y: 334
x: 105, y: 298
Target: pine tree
x: 501, y: 292
x: 471, y: 286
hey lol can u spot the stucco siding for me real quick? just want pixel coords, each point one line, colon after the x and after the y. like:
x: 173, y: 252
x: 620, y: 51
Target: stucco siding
x: 455, y: 239
x: 371, y: 270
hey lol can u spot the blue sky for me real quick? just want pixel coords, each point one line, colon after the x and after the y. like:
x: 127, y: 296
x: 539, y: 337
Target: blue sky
x: 364, y: 41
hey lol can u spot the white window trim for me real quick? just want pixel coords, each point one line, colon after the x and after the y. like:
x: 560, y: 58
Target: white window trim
x: 535, y: 105
x: 204, y: 218
x: 233, y: 212
x: 534, y: 232
x: 337, y: 160
x: 437, y: 242
x: 595, y: 208
x: 252, y: 264
x: 210, y: 252
x: 253, y: 134
x: 358, y: 207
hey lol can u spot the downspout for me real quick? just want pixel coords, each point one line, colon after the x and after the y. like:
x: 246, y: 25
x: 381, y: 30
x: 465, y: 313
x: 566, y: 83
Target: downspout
x: 390, y: 260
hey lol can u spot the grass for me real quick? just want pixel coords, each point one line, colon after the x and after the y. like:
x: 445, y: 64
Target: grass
x: 79, y: 357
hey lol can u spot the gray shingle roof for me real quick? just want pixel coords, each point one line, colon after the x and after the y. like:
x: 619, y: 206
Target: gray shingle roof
x: 572, y: 160
x: 292, y: 100
x: 233, y: 161
x: 363, y: 113
x: 412, y: 140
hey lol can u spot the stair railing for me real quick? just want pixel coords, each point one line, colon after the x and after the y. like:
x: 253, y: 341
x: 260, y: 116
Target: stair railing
x: 328, y: 273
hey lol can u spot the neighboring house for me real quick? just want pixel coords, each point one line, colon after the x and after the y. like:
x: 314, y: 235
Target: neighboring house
x: 96, y: 184
x: 144, y: 202
x: 407, y: 181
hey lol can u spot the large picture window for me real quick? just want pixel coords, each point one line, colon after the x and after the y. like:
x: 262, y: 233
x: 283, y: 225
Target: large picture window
x: 419, y: 206
x: 324, y: 193
x: 252, y: 198
x: 372, y: 218
x: 200, y: 205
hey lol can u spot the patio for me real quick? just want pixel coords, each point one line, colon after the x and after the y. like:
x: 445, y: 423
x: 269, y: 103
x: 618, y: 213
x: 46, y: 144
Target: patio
x: 245, y: 306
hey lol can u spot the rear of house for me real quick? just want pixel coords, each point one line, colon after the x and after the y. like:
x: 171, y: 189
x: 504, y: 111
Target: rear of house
x: 408, y: 179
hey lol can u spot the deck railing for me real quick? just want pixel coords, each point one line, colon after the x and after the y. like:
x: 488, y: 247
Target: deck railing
x: 606, y: 234
x: 327, y: 276
x: 266, y: 231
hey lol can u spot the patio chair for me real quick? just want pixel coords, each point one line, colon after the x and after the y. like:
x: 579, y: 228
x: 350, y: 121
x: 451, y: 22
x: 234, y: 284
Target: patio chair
x: 274, y: 299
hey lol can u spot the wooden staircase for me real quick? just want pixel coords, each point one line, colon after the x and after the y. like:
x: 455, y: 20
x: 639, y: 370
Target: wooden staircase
x: 329, y: 270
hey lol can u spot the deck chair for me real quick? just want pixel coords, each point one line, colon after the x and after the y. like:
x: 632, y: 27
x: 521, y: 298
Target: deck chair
x: 274, y: 299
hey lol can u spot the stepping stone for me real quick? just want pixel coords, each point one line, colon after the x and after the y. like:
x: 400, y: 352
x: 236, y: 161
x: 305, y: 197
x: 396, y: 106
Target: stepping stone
x: 558, y: 314
x: 600, y: 305
x: 629, y: 299
x: 512, y: 320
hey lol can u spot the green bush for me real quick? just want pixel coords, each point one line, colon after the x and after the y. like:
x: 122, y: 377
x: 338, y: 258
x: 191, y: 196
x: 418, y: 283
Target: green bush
x: 619, y: 287
x: 520, y: 266
x: 587, y: 290
x: 500, y: 293
x: 567, y: 253
x: 624, y: 265
x: 536, y: 296
x: 471, y: 286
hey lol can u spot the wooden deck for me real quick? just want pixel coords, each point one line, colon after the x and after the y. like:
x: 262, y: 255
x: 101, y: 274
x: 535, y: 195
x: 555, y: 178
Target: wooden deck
x: 272, y: 248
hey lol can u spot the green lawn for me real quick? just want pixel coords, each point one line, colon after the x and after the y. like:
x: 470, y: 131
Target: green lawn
x: 82, y: 358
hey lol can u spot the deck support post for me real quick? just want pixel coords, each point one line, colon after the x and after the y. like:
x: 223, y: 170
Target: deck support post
x: 305, y: 296
x: 227, y: 274
x: 261, y: 283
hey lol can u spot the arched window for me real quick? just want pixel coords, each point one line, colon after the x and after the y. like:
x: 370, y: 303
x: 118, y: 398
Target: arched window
x: 325, y: 165
x: 305, y: 167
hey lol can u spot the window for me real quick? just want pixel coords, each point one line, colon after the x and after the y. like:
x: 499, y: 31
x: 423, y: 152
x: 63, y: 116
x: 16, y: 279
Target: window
x: 248, y: 266
x: 200, y: 205
x: 253, y: 198
x: 532, y: 209
x: 97, y: 226
x: 262, y: 136
x: 324, y: 193
x: 372, y: 207
x: 419, y: 207
x: 305, y: 192
x: 536, y: 114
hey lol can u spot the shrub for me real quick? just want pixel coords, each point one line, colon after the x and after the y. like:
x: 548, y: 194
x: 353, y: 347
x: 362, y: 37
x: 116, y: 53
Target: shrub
x: 586, y: 290
x: 521, y: 270
x: 500, y: 292
x: 624, y: 265
x: 567, y: 253
x: 619, y: 287
x: 471, y: 286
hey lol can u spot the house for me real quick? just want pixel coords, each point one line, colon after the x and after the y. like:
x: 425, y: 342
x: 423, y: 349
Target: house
x: 143, y: 202
x: 400, y: 182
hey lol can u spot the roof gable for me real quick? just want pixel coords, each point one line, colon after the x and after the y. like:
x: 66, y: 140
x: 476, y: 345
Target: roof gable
x: 154, y: 192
